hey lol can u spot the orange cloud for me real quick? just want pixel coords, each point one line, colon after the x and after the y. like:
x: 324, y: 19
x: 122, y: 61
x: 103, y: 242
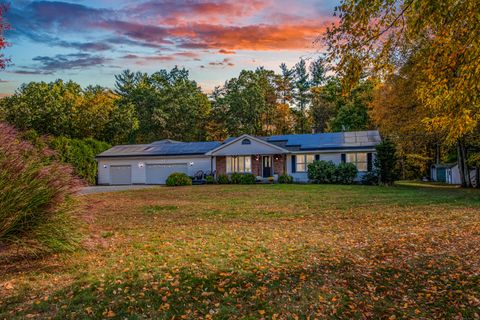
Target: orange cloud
x: 223, y: 51
x: 253, y: 37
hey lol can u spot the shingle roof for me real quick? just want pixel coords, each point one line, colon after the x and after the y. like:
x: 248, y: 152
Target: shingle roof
x: 160, y: 148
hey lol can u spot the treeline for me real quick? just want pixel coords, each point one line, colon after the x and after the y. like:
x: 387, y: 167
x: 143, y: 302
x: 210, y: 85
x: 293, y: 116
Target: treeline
x: 168, y: 104
x: 79, y: 123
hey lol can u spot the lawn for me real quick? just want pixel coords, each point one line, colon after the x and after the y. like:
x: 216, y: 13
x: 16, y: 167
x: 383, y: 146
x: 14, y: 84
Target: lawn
x: 262, y: 251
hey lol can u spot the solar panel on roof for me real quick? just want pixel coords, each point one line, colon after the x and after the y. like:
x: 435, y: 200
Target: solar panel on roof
x: 293, y: 142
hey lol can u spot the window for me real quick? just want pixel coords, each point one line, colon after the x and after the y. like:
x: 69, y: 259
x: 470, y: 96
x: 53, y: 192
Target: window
x: 303, y: 160
x: 246, y: 141
x: 358, y: 159
x: 241, y: 164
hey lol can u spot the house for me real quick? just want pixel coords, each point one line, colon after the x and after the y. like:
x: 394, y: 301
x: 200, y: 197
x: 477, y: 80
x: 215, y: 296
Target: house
x: 262, y: 156
x: 449, y: 173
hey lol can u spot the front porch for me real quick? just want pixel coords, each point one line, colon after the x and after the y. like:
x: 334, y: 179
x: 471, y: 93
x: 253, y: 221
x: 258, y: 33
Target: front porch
x: 262, y: 166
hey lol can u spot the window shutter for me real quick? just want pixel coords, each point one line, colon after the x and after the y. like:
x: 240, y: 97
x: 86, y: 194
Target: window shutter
x: 344, y: 158
x: 294, y: 164
x: 369, y: 162
x: 317, y: 157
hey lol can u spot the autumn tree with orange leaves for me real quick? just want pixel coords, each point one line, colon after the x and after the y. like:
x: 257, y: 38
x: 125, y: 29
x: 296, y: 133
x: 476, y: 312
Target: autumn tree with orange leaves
x: 439, y: 40
x: 3, y: 26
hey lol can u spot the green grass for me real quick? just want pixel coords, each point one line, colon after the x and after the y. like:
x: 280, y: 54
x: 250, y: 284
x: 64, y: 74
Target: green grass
x: 273, y: 251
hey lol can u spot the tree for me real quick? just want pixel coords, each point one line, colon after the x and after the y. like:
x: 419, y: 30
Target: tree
x: 167, y: 104
x: 318, y: 71
x: 65, y: 109
x: 248, y: 104
x: 385, y: 162
x: 398, y: 113
x: 285, y: 84
x: 440, y: 39
x: 322, y: 110
x: 3, y: 27
x: 301, y: 94
x: 352, y: 113
x: 48, y: 108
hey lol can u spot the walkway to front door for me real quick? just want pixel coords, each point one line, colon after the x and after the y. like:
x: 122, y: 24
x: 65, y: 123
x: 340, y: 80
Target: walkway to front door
x: 267, y: 166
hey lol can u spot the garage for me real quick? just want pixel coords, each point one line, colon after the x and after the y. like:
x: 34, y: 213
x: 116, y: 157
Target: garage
x: 120, y: 174
x: 158, y: 173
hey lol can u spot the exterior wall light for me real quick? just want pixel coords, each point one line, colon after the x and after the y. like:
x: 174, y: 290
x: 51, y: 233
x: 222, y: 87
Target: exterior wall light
x: 191, y: 163
x: 105, y: 166
x: 141, y: 164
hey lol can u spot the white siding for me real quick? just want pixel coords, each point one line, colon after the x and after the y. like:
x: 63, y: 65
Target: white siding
x: 194, y: 164
x: 453, y: 175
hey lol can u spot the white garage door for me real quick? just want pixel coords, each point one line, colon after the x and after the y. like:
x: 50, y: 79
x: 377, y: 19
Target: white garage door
x: 158, y: 173
x: 120, y: 174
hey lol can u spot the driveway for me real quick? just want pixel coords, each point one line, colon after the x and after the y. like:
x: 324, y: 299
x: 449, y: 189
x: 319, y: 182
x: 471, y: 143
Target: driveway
x: 100, y: 189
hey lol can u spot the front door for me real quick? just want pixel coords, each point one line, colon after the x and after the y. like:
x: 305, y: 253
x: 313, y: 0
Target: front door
x: 267, y: 166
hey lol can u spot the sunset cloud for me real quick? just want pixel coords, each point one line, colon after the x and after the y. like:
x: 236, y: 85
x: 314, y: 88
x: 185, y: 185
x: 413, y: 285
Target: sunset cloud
x: 98, y: 36
x: 223, y: 51
x: 44, y: 16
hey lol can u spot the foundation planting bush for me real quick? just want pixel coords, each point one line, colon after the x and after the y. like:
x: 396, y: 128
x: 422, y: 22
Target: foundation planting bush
x: 223, y: 179
x: 285, y: 178
x: 248, y: 178
x: 178, y: 179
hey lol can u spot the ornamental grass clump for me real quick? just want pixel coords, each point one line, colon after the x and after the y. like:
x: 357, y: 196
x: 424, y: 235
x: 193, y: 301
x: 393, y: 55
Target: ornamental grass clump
x: 36, y: 197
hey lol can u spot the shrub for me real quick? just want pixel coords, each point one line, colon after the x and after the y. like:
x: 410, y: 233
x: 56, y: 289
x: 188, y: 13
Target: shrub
x: 223, y: 179
x: 210, y: 180
x: 285, y: 178
x: 80, y: 154
x: 236, y: 178
x: 322, y: 171
x: 370, y: 178
x: 248, y: 178
x: 345, y: 173
x: 178, y: 179
x: 36, y: 197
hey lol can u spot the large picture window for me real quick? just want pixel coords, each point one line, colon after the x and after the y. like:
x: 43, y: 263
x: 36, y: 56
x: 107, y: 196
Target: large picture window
x: 358, y: 159
x: 240, y: 164
x: 303, y: 160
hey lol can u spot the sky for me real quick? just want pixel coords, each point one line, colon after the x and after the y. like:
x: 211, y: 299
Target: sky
x: 89, y: 41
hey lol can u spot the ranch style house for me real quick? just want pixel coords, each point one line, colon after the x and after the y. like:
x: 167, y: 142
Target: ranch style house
x: 264, y: 157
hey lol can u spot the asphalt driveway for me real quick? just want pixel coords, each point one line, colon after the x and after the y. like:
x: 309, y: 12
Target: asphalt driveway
x: 101, y: 189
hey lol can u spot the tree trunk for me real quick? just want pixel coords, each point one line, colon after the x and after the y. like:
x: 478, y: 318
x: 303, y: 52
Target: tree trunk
x: 477, y: 177
x: 462, y: 165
